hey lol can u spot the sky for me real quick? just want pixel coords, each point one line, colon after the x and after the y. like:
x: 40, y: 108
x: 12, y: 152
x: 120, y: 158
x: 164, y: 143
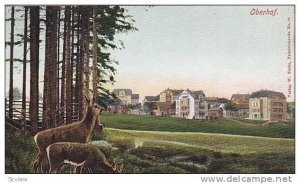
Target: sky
x: 221, y: 50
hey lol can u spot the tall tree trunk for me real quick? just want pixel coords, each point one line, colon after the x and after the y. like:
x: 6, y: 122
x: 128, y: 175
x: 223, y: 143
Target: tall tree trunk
x: 68, y: 64
x: 63, y: 70
x: 72, y: 55
x: 24, y: 60
x: 47, y: 75
x: 51, y: 63
x: 79, y: 67
x: 77, y: 62
x: 11, y: 64
x: 58, y: 54
x: 95, y: 46
x: 85, y: 49
x: 34, y: 66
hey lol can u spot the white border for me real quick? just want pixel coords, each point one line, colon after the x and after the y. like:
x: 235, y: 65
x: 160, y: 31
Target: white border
x: 124, y: 178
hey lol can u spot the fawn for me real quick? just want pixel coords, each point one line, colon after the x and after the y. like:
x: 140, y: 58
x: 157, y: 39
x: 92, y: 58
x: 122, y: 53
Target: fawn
x: 86, y: 156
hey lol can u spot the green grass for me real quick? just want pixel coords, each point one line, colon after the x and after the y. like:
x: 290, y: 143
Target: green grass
x: 19, y: 152
x: 215, y: 142
x: 222, y: 126
x: 169, y: 152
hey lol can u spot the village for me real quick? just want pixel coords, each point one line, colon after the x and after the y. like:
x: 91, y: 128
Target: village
x: 263, y: 105
x: 117, y: 89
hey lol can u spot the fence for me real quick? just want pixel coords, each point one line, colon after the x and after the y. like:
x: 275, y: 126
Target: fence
x: 21, y: 119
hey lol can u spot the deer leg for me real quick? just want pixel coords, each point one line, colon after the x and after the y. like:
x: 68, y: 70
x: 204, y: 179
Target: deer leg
x: 53, y: 169
x: 74, y: 169
x: 56, y: 169
x: 40, y: 160
x: 81, y: 169
x: 71, y: 169
x: 62, y: 168
x: 37, y: 164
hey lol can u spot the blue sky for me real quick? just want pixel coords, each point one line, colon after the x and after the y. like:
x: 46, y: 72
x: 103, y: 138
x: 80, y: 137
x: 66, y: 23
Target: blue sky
x: 218, y: 49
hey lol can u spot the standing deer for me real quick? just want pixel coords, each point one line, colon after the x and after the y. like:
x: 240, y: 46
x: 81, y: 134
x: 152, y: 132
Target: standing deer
x: 81, y: 155
x: 75, y: 132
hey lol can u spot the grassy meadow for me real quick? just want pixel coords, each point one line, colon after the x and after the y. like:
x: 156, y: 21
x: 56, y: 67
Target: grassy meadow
x: 222, y: 126
x: 169, y: 145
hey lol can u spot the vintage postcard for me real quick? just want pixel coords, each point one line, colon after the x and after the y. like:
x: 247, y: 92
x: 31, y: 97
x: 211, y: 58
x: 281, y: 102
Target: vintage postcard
x: 102, y: 89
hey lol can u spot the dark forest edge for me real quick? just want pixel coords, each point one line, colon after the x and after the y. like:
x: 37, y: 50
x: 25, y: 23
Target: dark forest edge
x: 77, y: 41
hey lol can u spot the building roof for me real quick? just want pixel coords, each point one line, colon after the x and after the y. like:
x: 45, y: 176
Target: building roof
x: 240, y: 96
x: 198, y: 93
x: 189, y: 91
x: 267, y: 93
x: 195, y: 94
x: 127, y: 91
x: 135, y: 96
x: 152, y: 98
x: 175, y: 91
x: 164, y: 105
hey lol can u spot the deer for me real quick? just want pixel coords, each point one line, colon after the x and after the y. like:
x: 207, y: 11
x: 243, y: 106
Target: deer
x: 81, y: 155
x: 75, y: 132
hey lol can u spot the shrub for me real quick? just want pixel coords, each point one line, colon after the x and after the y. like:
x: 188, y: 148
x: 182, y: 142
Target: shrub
x: 19, y: 152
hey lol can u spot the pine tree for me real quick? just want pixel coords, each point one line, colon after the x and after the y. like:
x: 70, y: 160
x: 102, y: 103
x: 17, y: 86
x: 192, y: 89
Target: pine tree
x: 95, y: 46
x: 50, y: 82
x: 67, y: 49
x: 11, y: 63
x: 34, y: 66
x: 24, y: 59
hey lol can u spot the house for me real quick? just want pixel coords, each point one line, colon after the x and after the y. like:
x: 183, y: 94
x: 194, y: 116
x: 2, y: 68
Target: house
x: 243, y: 111
x: 169, y: 95
x: 164, y: 109
x: 151, y: 99
x: 240, y: 99
x: 212, y: 102
x: 241, y: 102
x: 191, y: 104
x: 267, y: 105
x: 215, y: 113
x: 135, y: 99
x: 126, y: 97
